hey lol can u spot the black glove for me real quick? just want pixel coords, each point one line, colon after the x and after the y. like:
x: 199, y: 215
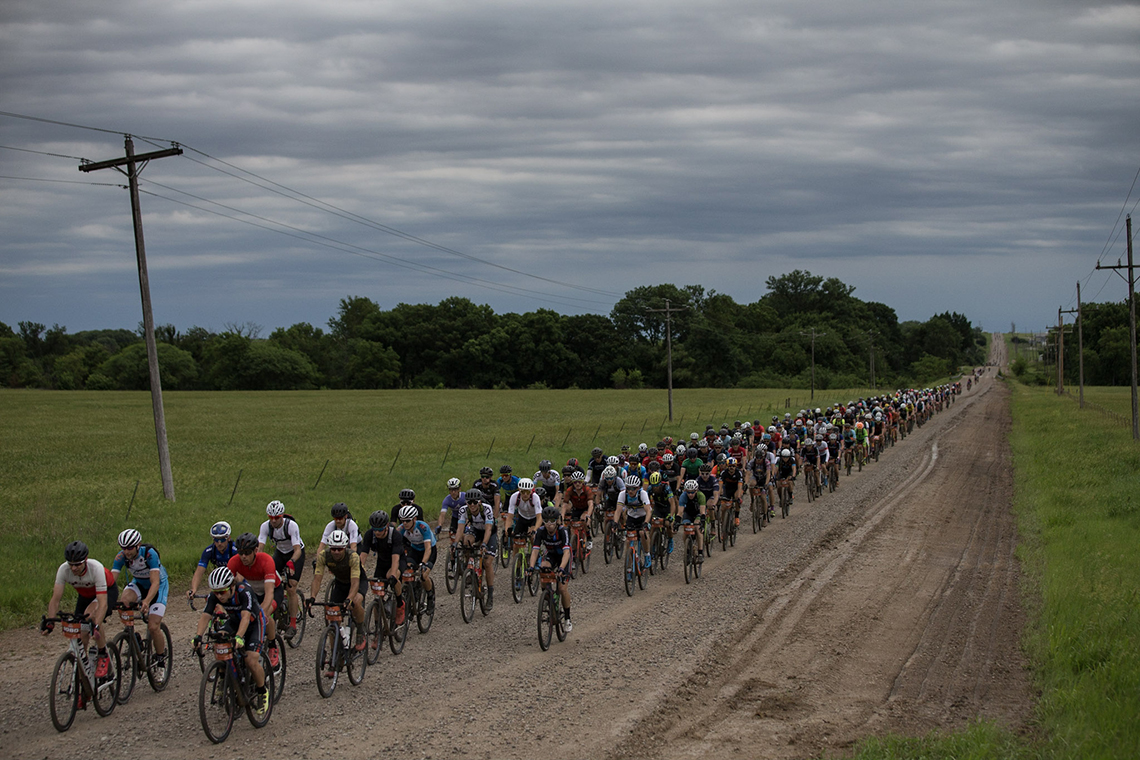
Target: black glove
x: 45, y: 626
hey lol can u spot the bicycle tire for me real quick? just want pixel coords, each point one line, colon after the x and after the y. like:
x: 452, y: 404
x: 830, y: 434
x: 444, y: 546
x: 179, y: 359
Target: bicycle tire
x: 654, y: 541
x: 785, y: 504
x: 518, y: 578
x: 468, y: 592
x: 696, y: 560
x: 64, y: 695
x: 848, y: 461
x: 690, y: 550
x: 374, y: 629
x: 217, y: 702
x: 160, y: 677
x: 559, y: 628
x: 424, y: 619
x: 482, y: 597
x: 723, y: 530
x: 295, y: 640
x: 397, y: 634
x: 129, y: 673
x: 665, y: 553
x: 607, y: 542
x: 641, y: 579
x: 584, y: 558
x: 545, y: 620
x: 326, y: 661
x: 810, y: 487
x: 629, y: 570
x: 505, y: 551
x: 281, y: 669
x: 255, y: 720
x: 356, y: 663
x: 733, y: 517
x: 109, y: 687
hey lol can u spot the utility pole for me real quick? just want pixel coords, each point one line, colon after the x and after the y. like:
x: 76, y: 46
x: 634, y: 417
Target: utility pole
x: 132, y: 162
x: 1131, y: 322
x: 668, y: 311
x: 813, y: 335
x: 871, y: 335
x: 1060, y: 352
x: 1080, y: 345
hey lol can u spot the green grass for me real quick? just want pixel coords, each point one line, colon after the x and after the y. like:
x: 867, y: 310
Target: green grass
x: 71, y: 460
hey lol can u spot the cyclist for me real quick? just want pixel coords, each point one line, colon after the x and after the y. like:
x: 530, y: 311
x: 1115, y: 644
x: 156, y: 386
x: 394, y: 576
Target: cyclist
x: 349, y: 583
x: 632, y: 502
x: 418, y: 540
x: 489, y: 488
x: 595, y: 466
x: 383, y: 539
x: 692, y: 507
x: 524, y: 509
x: 97, y: 592
x: 786, y: 469
x: 507, y: 483
x: 823, y: 455
x: 547, y: 477
x: 341, y: 520
x: 707, y: 483
x: 670, y: 469
x: 810, y: 457
x: 553, y: 541
x: 220, y: 551
x: 450, y: 506
x: 244, y: 619
x: 664, y: 504
x: 407, y: 496
x: 732, y: 484
x: 288, y: 553
x: 691, y: 465
x: 760, y: 470
x: 577, y: 503
x: 477, y: 522
x: 149, y: 585
x: 259, y: 570
x: 860, y: 442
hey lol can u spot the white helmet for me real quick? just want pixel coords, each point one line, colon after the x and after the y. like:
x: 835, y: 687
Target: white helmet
x: 609, y: 472
x: 612, y: 461
x: 129, y: 537
x: 453, y: 483
x: 338, y: 539
x: 220, y: 530
x: 632, y: 482
x: 526, y: 484
x: 691, y: 486
x: 221, y: 578
x: 641, y: 447
x: 407, y: 512
x: 681, y: 449
x: 694, y: 436
x: 274, y: 508
x: 785, y: 453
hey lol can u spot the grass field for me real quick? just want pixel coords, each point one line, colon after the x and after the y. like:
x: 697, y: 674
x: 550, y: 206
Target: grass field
x: 71, y: 460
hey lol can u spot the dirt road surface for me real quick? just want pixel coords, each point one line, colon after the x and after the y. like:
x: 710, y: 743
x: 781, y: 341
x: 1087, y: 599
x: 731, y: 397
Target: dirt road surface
x: 891, y: 605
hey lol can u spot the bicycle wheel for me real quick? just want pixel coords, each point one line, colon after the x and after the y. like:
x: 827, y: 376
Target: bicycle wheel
x: 159, y: 676
x: 785, y: 505
x: 482, y: 596
x: 374, y: 629
x: 665, y: 551
x: 608, y: 542
x: 654, y: 549
x: 397, y: 634
x: 129, y: 669
x: 107, y: 688
x: 255, y: 720
x: 424, y: 618
x: 733, y: 518
x: 545, y: 619
x: 468, y: 591
x: 690, y: 550
x: 584, y: 558
x: 559, y: 627
x: 217, y: 702
x: 327, y: 651
x: 640, y: 566
x: 630, y: 570
x: 848, y: 461
x: 64, y: 694
x: 279, y: 671
x: 356, y: 662
x: 518, y: 577
x: 755, y: 509
x: 809, y: 486
x: 723, y: 529
x: 505, y: 551
x: 451, y: 572
x: 294, y: 641
x: 696, y: 560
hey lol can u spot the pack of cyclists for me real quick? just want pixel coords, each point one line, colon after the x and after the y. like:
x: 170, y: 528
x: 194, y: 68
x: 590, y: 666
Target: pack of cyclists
x: 679, y: 482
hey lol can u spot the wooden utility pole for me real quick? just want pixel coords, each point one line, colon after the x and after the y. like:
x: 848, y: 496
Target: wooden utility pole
x: 136, y: 164
x: 871, y: 335
x: 813, y: 335
x: 1060, y: 352
x: 1080, y: 346
x: 668, y: 311
x: 1131, y: 322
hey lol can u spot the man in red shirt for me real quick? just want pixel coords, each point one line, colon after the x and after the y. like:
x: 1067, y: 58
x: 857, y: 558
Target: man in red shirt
x: 258, y: 570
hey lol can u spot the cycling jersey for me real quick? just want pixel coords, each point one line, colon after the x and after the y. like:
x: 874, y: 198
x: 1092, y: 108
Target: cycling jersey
x: 241, y: 600
x: 661, y: 496
x: 691, y: 467
x: 419, y: 536
x: 785, y: 468
x: 550, y: 482
x: 474, y: 518
x: 690, y: 504
x: 284, y: 537
x: 489, y: 488
x: 553, y: 542
x: 263, y: 569
x: 145, y: 560
x: 343, y: 570
x: 508, y: 486
x: 211, y: 555
x: 350, y: 528
x: 731, y: 481
x: 635, y: 505
x: 96, y: 580
x: 594, y: 469
x: 707, y: 485
x: 608, y: 492
x: 579, y: 498
x: 451, y: 506
x: 525, y: 508
x: 384, y: 544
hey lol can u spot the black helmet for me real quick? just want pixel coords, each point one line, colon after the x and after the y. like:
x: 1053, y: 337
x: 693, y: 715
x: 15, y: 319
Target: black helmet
x: 378, y: 520
x: 550, y: 514
x: 76, y: 551
x: 340, y: 509
x: 544, y: 465
x: 567, y: 470
x: 246, y: 542
x: 407, y: 494
x: 597, y: 452
x: 505, y: 470
x: 540, y: 492
x: 486, y: 472
x: 474, y: 496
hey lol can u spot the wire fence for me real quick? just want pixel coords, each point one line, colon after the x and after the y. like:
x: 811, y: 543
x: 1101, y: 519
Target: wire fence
x: 1115, y: 418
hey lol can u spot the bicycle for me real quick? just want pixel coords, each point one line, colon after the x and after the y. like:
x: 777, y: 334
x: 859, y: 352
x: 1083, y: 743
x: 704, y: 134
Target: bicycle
x: 227, y: 686
x: 692, y: 559
x: 811, y: 481
x: 473, y: 588
x: 415, y: 599
x: 759, y: 509
x: 658, y: 545
x: 451, y: 570
x: 581, y: 555
x: 709, y: 527
x: 634, y: 565
x: 848, y: 459
x: 785, y: 494
x: 520, y: 551
x: 380, y: 621
x: 137, y: 655
x: 832, y: 475
x: 73, y: 681
x: 549, y: 608
x: 726, y: 518
x: 611, y: 536
x: 278, y: 669
x: 281, y: 619
x: 336, y: 650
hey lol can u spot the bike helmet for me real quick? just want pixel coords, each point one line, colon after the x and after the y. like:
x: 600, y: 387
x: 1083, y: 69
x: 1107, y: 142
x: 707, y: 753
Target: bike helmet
x: 654, y: 478
x: 578, y: 476
x: 694, y: 436
x: 129, y: 538
x: 731, y: 462
x: 667, y: 458
x: 544, y: 465
x: 681, y: 449
x: 612, y: 461
x: 339, y: 510
x: 706, y: 468
x: 338, y: 539
x: 408, y: 512
x: 220, y: 578
x: 473, y: 496
x: 762, y: 448
x: 245, y: 543
x: 526, y: 484
x: 505, y: 470
x: 572, y: 462
x: 566, y: 471
x: 550, y: 514
x: 625, y: 448
x: 831, y: 437
x: 274, y: 508
x: 858, y: 425
x: 407, y: 494
x: 785, y: 453
x: 540, y: 492
x: 652, y: 451
x: 632, y: 482
x: 596, y: 452
x: 642, y: 448
x: 690, y: 486
x: 610, y: 472
x: 220, y: 530
x: 703, y: 444
x: 486, y: 472
x: 378, y: 520
x: 76, y: 551
x: 453, y: 483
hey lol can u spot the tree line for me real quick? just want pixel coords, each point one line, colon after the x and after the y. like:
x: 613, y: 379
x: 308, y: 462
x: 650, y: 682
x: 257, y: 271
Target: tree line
x: 716, y: 342
x: 1107, y: 348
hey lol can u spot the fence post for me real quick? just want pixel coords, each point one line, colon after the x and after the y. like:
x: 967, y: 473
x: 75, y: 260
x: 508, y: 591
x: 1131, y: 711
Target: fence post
x: 441, y: 464
x: 490, y: 447
x: 596, y: 433
x: 567, y: 438
x: 321, y: 475
x: 132, y: 502
x: 231, y: 501
x: 530, y: 444
x: 643, y: 425
x: 396, y: 459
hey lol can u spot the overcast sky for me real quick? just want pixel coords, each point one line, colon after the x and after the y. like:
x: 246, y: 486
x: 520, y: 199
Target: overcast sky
x: 965, y: 155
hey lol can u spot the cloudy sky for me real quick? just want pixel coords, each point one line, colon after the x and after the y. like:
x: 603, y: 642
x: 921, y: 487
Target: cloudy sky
x: 959, y: 155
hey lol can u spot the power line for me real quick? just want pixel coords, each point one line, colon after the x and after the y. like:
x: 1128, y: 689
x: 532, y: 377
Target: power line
x: 43, y: 153
x: 63, y: 181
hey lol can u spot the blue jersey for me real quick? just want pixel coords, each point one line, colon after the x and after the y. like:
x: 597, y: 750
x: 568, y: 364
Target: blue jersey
x: 419, y: 537
x: 145, y: 560
x: 211, y: 555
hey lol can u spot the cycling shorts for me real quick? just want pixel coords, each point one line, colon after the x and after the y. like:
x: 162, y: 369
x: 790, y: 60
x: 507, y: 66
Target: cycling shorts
x: 416, y: 556
x: 523, y: 525
x: 158, y: 604
x: 279, y: 560
x: 340, y: 589
x: 634, y: 523
x: 662, y: 511
x: 81, y: 602
x: 278, y: 597
x: 254, y: 632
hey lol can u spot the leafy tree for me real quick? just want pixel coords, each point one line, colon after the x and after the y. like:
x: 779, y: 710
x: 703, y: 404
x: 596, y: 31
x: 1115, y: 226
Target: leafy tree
x: 130, y: 371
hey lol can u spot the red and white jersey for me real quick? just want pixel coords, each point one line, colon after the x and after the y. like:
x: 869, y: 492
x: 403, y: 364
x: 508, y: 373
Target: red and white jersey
x: 96, y: 580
